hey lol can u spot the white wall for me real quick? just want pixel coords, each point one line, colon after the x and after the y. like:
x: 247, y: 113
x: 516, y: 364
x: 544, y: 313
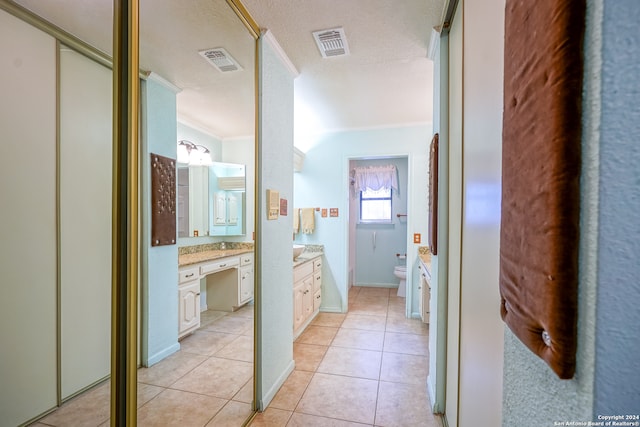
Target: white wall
x: 481, y: 328
x: 454, y: 213
x: 475, y: 330
x: 273, y: 263
x: 324, y: 182
x: 28, y: 227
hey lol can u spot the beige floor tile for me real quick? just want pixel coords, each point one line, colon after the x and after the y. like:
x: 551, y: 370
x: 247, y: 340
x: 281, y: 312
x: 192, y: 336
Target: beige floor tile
x: 308, y: 356
x: 354, y: 291
x: 404, y: 368
x: 272, y: 417
x: 179, y: 408
x: 397, y: 311
x: 406, y: 326
x: 230, y: 325
x: 369, y: 309
x: 233, y: 414
x: 205, y: 342
x: 403, y: 405
x: 351, y: 362
x: 89, y: 409
x: 169, y: 370
x: 354, y: 338
x: 394, y: 299
x: 208, y: 316
x: 239, y: 349
x: 344, y: 398
x: 365, y: 322
x: 372, y: 300
x: 291, y: 391
x: 318, y: 335
x: 305, y: 420
x: 245, y: 311
x: 216, y: 377
x: 374, y: 292
x: 246, y: 392
x: 329, y: 319
x: 406, y: 343
x: 250, y: 332
x: 147, y: 392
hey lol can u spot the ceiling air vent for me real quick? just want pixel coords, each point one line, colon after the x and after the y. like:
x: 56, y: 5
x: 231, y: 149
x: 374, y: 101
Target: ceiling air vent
x: 220, y: 58
x: 331, y: 42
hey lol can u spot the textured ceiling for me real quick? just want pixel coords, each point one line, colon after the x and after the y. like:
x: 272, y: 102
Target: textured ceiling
x: 385, y: 81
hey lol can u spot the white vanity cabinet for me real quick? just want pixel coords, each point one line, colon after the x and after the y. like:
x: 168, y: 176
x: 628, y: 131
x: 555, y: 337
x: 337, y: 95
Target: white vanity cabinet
x: 307, y: 293
x: 228, y: 285
x: 245, y: 290
x: 188, y: 301
x: 424, y: 289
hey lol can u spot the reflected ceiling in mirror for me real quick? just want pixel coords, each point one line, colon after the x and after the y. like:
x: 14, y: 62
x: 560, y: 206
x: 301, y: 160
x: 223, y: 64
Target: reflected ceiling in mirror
x: 172, y: 35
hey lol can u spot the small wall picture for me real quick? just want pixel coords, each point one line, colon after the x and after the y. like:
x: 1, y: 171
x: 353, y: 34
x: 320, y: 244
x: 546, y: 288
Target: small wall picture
x: 283, y: 207
x: 333, y: 212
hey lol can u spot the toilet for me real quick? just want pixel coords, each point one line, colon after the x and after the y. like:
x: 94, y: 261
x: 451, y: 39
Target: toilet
x: 400, y: 271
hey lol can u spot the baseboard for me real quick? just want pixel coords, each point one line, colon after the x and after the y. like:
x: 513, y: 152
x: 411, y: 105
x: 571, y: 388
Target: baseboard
x: 161, y: 355
x: 266, y: 399
x: 377, y: 285
x: 331, y: 309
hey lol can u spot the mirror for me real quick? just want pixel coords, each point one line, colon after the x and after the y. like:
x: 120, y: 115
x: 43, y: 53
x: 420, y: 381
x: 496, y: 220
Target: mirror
x: 211, y: 200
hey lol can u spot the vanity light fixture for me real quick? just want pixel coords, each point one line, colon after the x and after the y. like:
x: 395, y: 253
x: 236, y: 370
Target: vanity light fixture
x: 193, y: 154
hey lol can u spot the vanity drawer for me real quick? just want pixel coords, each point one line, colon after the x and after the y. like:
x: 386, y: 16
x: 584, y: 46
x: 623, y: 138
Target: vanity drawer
x: 317, y: 264
x: 317, y: 281
x: 246, y: 259
x: 302, y: 271
x: 222, y: 264
x: 187, y: 275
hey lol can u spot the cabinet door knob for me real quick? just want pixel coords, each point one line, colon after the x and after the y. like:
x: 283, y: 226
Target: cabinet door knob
x: 189, y: 275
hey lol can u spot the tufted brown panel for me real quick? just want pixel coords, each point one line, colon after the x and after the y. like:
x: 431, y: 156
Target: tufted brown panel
x: 541, y: 176
x: 163, y: 200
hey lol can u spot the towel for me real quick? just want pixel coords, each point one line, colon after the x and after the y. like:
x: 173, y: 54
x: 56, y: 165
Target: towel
x: 296, y: 220
x: 307, y: 220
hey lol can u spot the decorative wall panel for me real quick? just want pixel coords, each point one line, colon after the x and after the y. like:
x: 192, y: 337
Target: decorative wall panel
x: 541, y: 176
x: 163, y: 200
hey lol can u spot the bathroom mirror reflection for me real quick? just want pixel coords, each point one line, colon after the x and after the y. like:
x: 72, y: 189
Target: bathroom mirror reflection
x: 211, y: 200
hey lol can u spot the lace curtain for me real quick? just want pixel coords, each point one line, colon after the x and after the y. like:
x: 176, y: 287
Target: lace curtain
x: 375, y: 178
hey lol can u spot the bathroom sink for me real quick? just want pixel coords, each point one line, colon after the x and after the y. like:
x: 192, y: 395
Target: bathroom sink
x: 297, y: 250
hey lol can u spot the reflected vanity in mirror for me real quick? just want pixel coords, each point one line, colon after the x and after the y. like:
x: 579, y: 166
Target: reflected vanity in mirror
x: 211, y: 200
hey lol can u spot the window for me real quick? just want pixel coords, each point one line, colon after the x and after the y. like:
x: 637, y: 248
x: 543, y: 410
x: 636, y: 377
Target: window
x: 375, y: 206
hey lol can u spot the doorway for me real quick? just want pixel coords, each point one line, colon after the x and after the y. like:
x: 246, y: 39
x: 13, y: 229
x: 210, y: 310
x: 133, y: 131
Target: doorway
x: 378, y: 225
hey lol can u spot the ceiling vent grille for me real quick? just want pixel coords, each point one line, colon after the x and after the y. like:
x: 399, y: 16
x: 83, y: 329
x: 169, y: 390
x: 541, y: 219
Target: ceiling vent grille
x: 220, y: 58
x: 331, y: 42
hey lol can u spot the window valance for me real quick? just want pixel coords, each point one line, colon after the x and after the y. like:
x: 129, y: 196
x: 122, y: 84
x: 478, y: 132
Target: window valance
x: 375, y: 178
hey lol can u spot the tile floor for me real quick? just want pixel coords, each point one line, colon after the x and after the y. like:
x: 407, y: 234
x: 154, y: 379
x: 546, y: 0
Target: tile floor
x: 209, y: 382
x: 364, y: 368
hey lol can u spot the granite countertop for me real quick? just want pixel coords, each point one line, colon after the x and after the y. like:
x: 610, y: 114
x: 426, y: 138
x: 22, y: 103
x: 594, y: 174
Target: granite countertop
x: 304, y: 257
x: 210, y: 255
x: 310, y: 252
